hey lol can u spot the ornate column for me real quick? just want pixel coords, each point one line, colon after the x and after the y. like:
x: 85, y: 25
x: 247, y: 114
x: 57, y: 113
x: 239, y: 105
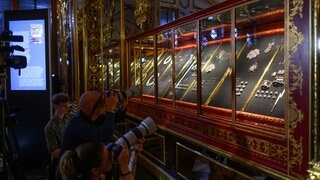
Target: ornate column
x: 93, y: 35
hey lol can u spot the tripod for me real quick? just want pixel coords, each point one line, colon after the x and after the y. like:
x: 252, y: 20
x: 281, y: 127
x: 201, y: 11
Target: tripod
x: 9, y: 149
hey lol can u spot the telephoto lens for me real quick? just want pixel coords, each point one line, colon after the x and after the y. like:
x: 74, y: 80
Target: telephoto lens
x: 146, y: 127
x: 133, y: 91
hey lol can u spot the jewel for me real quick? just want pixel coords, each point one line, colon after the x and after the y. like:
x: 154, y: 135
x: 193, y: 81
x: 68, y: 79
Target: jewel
x: 253, y: 67
x: 210, y: 68
x: 268, y: 49
x: 253, y: 53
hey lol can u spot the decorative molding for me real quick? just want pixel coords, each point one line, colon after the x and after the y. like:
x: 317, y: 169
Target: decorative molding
x: 108, y: 25
x: 296, y: 78
x: 266, y: 149
x: 142, y: 14
x: 93, y: 29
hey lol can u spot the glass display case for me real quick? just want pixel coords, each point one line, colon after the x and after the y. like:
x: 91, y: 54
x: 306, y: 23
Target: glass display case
x: 240, y: 55
x: 233, y: 78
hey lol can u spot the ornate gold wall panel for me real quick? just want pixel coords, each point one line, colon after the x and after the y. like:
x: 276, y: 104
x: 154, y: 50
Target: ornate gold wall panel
x: 142, y: 13
x: 296, y: 76
x: 92, y: 22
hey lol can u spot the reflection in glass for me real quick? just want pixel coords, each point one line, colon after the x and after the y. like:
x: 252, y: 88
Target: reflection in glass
x: 185, y: 59
x: 164, y: 62
x: 260, y: 63
x: 112, y: 71
x: 147, y: 64
x: 216, y: 60
x: 135, y: 67
x: 197, y: 165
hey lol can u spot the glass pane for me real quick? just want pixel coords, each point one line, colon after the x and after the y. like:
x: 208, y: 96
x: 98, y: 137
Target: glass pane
x: 43, y: 4
x: 185, y: 54
x: 147, y: 63
x: 31, y: 4
x: 216, y: 60
x: 108, y: 75
x: 116, y: 68
x: 26, y: 4
x: 260, y: 59
x: 112, y: 72
x: 135, y: 65
x: 164, y: 64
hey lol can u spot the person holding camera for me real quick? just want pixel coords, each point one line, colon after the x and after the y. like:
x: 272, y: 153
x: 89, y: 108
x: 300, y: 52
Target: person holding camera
x: 92, y: 160
x: 93, y: 123
x: 55, y: 127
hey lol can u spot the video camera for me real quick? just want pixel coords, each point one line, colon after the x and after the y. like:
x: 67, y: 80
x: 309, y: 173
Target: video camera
x: 7, y: 59
x: 146, y: 127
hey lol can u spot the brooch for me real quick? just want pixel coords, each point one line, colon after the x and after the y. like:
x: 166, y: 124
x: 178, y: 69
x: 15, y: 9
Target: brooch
x: 210, y: 68
x: 253, y: 53
x: 253, y: 67
x: 268, y: 49
x: 279, y: 81
x: 266, y: 84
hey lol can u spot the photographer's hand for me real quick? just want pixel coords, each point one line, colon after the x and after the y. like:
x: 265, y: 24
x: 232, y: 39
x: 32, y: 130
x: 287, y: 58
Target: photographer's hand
x: 123, y: 160
x: 111, y: 101
x: 139, y: 145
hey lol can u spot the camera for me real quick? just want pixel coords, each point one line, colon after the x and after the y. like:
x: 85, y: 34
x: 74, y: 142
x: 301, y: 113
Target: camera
x: 146, y: 127
x: 7, y: 59
x: 120, y: 97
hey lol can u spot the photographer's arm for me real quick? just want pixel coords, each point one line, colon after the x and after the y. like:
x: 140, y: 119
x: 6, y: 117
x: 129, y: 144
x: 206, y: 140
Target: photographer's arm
x: 137, y: 148
x: 123, y: 160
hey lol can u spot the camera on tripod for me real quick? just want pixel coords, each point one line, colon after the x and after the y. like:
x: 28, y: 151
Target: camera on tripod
x: 146, y: 127
x: 7, y: 57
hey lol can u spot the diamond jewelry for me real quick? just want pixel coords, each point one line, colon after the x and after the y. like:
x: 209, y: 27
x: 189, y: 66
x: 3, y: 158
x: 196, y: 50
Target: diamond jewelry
x: 253, y: 67
x: 266, y: 84
x: 279, y: 81
x: 268, y: 49
x: 253, y: 53
x: 210, y: 68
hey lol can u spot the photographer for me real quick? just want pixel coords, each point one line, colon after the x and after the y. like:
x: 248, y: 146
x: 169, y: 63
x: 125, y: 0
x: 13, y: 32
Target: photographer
x: 94, y: 122
x: 92, y: 160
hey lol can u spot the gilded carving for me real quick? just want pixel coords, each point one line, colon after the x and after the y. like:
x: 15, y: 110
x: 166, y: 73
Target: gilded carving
x: 108, y: 26
x: 92, y: 24
x: 296, y: 76
x: 142, y: 14
x: 266, y: 149
x: 80, y: 20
